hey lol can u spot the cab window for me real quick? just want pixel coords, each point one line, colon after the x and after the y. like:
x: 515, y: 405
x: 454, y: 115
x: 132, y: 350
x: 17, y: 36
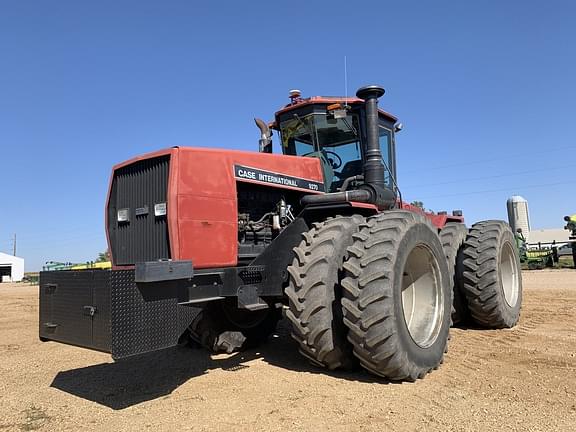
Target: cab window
x: 385, y: 148
x: 297, y: 136
x: 335, y: 141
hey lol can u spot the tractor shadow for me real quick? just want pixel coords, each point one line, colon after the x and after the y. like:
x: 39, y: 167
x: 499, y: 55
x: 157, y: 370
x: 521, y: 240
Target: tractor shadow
x: 125, y: 383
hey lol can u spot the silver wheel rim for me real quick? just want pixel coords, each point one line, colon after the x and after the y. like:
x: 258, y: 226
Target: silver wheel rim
x: 508, y: 274
x: 422, y: 296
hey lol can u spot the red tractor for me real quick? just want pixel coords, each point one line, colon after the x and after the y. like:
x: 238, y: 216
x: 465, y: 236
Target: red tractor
x: 213, y: 245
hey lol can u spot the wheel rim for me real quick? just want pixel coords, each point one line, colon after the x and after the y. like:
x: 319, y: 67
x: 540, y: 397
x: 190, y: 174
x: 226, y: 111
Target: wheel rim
x: 422, y: 296
x: 508, y: 273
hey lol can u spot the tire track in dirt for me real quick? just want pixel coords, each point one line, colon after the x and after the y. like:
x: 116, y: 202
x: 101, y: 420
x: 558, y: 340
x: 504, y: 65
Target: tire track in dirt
x: 472, y: 349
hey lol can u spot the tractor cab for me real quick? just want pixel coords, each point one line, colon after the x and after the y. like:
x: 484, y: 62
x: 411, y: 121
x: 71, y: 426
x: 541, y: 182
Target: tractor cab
x: 333, y: 130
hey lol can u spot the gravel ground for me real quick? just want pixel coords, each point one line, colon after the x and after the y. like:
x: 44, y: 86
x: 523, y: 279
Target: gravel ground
x: 522, y: 379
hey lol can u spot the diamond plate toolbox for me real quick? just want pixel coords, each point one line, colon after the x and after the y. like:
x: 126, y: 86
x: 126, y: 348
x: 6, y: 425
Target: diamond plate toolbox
x: 107, y: 311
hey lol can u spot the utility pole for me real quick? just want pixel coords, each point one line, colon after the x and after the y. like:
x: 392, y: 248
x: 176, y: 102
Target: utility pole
x: 14, y: 244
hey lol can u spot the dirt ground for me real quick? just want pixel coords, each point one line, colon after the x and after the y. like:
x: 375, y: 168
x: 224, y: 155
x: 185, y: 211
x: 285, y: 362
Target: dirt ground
x: 522, y: 379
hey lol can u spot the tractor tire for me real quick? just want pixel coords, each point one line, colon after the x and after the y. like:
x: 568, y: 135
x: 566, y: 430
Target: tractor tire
x: 452, y: 237
x: 397, y: 296
x: 492, y: 281
x: 222, y: 327
x: 314, y: 293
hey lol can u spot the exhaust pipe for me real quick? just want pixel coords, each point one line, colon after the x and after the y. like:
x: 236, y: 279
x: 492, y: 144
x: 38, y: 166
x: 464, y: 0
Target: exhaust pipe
x: 265, y: 142
x: 373, y: 167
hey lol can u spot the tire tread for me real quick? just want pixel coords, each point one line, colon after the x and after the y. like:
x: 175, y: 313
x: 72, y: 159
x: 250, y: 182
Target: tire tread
x: 314, y: 289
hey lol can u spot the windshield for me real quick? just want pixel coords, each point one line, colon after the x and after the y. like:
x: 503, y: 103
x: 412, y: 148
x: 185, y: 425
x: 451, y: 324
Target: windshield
x: 297, y: 136
x: 334, y: 140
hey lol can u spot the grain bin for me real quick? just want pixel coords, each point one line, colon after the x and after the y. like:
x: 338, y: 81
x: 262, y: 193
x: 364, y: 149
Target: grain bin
x: 518, y: 214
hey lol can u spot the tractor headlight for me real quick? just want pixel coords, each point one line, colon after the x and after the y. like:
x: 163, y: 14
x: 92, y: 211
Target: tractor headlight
x: 160, y: 209
x: 123, y: 215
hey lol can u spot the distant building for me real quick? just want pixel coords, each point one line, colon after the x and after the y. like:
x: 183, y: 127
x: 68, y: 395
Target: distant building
x: 545, y: 236
x: 11, y: 268
x: 518, y: 216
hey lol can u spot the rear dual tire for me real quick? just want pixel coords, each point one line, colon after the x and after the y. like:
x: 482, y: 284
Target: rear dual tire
x: 490, y: 277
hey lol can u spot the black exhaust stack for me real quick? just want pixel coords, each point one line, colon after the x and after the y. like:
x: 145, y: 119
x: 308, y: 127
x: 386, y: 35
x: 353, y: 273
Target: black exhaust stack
x: 373, y: 167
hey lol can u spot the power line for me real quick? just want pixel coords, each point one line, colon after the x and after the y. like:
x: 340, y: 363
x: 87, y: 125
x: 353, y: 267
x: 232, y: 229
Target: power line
x: 481, y: 161
x: 58, y: 232
x: 59, y: 239
x: 35, y: 246
x: 461, y: 180
x: 509, y: 189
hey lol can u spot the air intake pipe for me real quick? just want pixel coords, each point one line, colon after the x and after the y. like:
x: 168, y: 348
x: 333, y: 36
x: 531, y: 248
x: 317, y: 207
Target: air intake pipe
x: 374, y: 189
x: 373, y: 167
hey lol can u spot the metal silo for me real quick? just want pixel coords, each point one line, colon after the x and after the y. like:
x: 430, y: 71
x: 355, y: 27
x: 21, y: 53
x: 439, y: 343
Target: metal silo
x: 518, y: 214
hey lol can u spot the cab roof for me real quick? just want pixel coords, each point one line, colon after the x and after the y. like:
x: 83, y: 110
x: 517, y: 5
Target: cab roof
x: 300, y: 102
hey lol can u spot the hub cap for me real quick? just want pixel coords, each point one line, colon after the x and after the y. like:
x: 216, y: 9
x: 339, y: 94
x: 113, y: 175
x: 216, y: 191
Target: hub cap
x: 508, y: 273
x: 422, y: 296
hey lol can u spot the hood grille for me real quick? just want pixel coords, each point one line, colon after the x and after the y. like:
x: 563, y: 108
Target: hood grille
x: 136, y: 189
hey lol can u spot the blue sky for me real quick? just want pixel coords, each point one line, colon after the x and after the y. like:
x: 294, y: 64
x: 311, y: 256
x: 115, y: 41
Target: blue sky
x: 486, y: 92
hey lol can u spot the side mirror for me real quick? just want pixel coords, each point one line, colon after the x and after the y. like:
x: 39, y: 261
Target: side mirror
x: 398, y: 127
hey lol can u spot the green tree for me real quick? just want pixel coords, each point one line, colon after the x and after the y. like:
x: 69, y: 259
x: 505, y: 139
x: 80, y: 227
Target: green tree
x: 103, y: 256
x: 419, y: 204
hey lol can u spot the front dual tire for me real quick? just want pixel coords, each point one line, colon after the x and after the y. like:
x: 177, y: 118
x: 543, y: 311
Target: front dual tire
x: 314, y: 292
x: 397, y: 296
x: 374, y: 291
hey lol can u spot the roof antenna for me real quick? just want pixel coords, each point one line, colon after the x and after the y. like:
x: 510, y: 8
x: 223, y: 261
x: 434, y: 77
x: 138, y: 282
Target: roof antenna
x: 345, y: 83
